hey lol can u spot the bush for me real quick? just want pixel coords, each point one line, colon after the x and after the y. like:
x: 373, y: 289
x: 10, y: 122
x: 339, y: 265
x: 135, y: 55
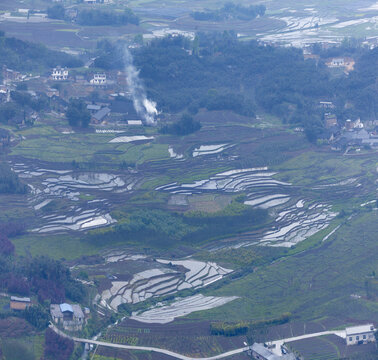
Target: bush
x: 57, y: 347
x: 185, y: 126
x: 228, y: 329
x: 77, y: 113
x: 96, y: 17
x: 56, y: 12
x: 9, y: 181
x: 37, y: 316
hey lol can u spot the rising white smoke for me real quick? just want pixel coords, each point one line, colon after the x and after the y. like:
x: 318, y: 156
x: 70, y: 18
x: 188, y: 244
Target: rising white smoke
x: 143, y: 106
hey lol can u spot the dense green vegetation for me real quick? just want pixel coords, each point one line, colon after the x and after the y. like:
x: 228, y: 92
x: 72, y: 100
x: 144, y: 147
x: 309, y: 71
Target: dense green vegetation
x: 9, y: 181
x: 226, y: 329
x: 185, y: 126
x: 218, y: 72
x: 230, y: 11
x: 314, y: 283
x: 48, y: 279
x: 77, y: 113
x: 97, y: 17
x: 26, y: 56
x: 161, y: 229
x: 56, y: 12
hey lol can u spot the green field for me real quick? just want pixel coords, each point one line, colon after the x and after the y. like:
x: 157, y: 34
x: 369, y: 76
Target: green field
x: 314, y: 283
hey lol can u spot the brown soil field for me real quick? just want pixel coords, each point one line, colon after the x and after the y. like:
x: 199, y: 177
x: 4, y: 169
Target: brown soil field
x: 14, y: 327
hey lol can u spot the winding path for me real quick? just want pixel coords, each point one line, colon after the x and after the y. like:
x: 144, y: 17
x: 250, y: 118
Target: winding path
x: 276, y: 349
x: 147, y: 348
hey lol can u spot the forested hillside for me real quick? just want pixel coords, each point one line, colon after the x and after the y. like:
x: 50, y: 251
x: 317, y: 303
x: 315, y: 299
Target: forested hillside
x: 25, y: 56
x: 218, y: 72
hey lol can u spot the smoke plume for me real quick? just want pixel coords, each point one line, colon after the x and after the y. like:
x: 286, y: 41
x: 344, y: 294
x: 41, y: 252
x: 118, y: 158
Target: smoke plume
x: 143, y: 106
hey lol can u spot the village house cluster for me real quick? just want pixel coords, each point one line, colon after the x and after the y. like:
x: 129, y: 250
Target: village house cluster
x: 103, y: 92
x: 350, y: 134
x: 355, y: 335
x: 70, y: 316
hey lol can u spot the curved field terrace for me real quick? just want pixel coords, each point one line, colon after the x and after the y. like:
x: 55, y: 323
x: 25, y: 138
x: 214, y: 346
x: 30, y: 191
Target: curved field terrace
x: 295, y: 218
x: 66, y: 200
x: 181, y: 307
x: 153, y: 278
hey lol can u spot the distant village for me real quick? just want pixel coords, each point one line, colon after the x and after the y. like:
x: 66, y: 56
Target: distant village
x: 103, y: 93
x: 111, y: 106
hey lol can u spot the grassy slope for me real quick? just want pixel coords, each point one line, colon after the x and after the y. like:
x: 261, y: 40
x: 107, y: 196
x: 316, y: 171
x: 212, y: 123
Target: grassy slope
x: 311, y: 284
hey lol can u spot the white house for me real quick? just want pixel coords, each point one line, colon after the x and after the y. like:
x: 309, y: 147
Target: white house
x: 59, y: 73
x: 360, y: 334
x: 98, y: 79
x: 337, y: 62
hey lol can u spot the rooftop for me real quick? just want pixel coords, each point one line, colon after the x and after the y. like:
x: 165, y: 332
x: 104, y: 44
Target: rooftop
x: 65, y: 307
x: 93, y: 107
x: 20, y: 299
x: 359, y: 329
x: 101, y: 113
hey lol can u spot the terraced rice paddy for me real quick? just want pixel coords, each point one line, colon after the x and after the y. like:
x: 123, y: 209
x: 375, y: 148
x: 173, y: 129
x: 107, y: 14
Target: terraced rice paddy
x: 293, y: 221
x: 127, y: 139
x: 66, y: 185
x: 210, y: 149
x: 181, y: 307
x: 158, y: 278
x: 174, y: 155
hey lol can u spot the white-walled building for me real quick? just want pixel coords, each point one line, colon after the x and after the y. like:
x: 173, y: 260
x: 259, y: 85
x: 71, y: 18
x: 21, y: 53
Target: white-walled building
x: 337, y: 62
x: 360, y: 334
x: 98, y: 79
x: 59, y: 73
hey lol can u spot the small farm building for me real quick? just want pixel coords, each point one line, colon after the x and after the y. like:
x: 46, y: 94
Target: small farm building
x: 360, y: 334
x: 19, y: 303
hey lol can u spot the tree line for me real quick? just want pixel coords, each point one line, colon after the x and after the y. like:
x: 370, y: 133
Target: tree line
x: 26, y: 56
x: 10, y: 182
x: 230, y: 11
x: 215, y: 71
x: 95, y: 17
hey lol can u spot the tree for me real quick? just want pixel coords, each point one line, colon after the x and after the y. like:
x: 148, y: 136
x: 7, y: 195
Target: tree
x: 6, y: 246
x: 21, y: 98
x: 185, y: 126
x: 7, y: 112
x: 77, y: 113
x: 56, y: 12
x: 57, y: 347
x: 37, y: 316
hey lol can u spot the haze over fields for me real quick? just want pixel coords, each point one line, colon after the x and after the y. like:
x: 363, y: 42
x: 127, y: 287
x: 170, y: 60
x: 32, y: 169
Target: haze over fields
x: 185, y: 180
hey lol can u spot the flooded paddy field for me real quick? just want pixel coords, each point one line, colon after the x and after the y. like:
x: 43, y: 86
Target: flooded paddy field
x: 66, y: 200
x: 295, y: 218
x: 295, y: 25
x: 181, y: 307
x: 129, y: 279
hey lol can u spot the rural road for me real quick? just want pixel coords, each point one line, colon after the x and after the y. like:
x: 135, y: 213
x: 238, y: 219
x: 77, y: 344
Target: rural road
x: 147, y: 348
x: 279, y: 343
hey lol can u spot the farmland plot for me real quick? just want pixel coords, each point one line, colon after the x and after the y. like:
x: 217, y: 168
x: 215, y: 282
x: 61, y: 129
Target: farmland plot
x: 157, y: 278
x: 293, y: 221
x: 86, y: 196
x: 186, y: 337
